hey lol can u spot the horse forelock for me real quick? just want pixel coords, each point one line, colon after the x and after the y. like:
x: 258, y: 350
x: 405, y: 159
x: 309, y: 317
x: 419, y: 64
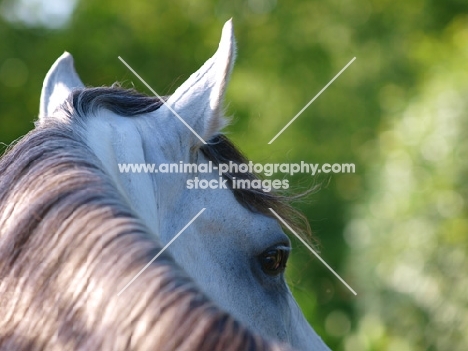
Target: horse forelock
x: 68, y: 244
x: 219, y: 149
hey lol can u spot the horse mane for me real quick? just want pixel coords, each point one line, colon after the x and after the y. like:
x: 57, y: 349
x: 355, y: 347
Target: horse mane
x: 68, y: 243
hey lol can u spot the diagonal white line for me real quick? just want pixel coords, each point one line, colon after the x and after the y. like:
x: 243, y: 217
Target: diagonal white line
x: 160, y: 98
x: 160, y: 252
x: 311, y: 101
x: 312, y: 250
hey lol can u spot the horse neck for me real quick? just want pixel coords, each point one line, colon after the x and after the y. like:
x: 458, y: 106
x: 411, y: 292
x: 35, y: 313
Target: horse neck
x: 69, y: 244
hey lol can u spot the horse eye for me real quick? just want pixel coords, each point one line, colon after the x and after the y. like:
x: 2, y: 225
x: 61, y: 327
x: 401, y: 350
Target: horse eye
x: 273, y: 261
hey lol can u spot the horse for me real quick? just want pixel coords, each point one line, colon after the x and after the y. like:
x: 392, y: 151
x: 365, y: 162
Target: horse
x: 75, y: 230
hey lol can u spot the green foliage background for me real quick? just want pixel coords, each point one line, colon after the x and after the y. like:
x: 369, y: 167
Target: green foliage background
x: 396, y: 230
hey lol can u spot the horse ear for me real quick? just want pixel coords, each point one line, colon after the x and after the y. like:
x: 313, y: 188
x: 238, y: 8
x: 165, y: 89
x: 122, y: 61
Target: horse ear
x: 59, y: 82
x: 199, y: 99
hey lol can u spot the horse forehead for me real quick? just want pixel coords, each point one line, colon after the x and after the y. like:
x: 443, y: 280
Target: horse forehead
x: 226, y: 213
x: 228, y: 220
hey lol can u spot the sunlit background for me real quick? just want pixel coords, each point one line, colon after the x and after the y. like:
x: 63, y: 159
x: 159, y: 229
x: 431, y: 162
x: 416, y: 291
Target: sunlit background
x: 397, y: 229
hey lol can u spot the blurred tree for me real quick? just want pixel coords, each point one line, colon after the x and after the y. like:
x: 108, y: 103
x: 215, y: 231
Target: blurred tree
x: 409, y: 237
